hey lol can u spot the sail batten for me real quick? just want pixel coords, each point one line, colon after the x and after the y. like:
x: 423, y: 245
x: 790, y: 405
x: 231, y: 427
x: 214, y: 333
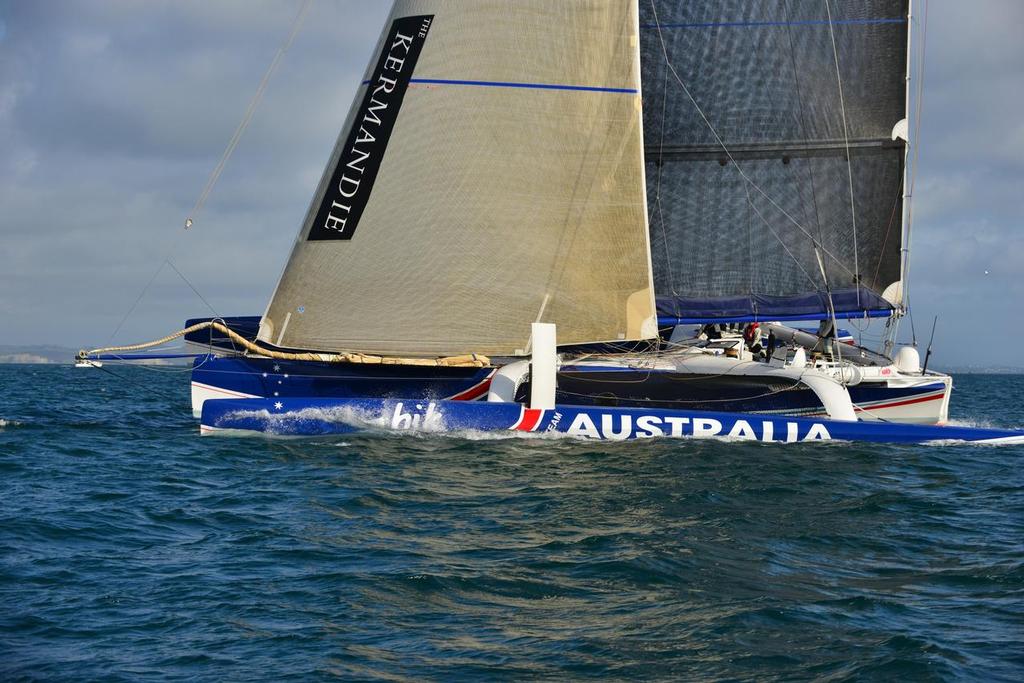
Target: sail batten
x: 531, y: 86
x: 510, y: 189
x: 763, y: 24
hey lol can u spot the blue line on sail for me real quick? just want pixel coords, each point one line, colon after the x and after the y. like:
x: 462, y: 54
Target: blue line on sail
x: 534, y: 86
x: 816, y: 22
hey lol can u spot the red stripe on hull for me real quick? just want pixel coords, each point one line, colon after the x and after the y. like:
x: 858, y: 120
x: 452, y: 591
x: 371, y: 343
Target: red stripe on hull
x: 528, y: 420
x: 474, y: 392
x: 902, y: 403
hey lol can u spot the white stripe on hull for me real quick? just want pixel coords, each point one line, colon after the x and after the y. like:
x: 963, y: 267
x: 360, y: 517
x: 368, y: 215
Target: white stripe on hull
x: 204, y: 392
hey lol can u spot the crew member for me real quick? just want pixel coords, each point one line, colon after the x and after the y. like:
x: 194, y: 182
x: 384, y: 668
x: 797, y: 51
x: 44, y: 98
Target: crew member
x: 752, y: 337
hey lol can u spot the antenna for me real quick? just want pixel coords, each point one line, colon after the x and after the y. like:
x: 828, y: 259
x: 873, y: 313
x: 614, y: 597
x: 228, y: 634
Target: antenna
x: 929, y: 351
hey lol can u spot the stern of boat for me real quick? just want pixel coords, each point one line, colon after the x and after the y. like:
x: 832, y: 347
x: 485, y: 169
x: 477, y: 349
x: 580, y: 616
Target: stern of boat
x: 912, y: 399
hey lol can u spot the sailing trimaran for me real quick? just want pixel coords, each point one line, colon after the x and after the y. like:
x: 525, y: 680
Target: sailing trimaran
x: 529, y: 203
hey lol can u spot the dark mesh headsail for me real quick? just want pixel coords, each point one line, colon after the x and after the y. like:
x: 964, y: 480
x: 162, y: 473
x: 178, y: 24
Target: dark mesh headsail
x: 764, y: 75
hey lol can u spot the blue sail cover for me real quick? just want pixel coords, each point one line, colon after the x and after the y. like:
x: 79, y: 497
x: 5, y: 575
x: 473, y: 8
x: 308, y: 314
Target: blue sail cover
x: 759, y: 308
x: 756, y: 166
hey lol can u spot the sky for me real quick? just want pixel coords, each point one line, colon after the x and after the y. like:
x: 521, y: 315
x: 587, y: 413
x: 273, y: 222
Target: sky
x: 113, y: 113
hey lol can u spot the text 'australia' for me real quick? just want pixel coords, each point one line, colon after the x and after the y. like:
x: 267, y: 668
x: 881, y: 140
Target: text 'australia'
x: 352, y: 178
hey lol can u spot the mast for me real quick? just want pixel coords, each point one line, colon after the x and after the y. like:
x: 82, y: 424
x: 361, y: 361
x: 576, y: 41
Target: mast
x: 638, y: 75
x: 893, y: 325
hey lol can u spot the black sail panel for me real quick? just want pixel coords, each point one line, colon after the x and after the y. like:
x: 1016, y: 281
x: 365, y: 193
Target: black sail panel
x: 749, y: 164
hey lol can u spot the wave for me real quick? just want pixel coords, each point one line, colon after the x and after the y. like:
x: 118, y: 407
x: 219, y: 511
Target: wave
x: 279, y: 423
x: 282, y: 424
x: 978, y: 423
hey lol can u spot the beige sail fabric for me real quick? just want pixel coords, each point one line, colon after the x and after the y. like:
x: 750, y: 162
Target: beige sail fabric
x: 494, y: 206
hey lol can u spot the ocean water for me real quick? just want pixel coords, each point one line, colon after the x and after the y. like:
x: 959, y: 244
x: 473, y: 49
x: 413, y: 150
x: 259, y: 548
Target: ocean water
x: 132, y: 549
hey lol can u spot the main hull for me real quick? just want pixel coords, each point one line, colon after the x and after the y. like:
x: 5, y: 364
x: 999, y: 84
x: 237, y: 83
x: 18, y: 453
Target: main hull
x: 687, y: 386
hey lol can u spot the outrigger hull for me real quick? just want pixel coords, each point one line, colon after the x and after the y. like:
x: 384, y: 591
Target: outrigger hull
x: 316, y: 417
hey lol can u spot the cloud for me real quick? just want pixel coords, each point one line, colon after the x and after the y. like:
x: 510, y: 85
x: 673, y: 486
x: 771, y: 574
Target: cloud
x: 968, y: 229
x: 112, y: 116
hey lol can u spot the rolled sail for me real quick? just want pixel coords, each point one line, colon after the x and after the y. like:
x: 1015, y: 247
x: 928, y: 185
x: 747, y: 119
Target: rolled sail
x: 489, y: 175
x: 748, y: 131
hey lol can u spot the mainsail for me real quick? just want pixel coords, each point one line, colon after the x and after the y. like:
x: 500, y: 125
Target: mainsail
x: 489, y: 175
x: 774, y: 178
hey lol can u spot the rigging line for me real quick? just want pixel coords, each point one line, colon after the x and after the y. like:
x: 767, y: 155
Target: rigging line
x: 776, y: 236
x: 192, y: 287
x: 171, y: 244
x: 188, y: 367
x: 746, y: 188
x: 695, y: 378
x: 131, y: 309
x: 801, y: 120
x: 836, y: 351
x: 849, y: 159
x: 771, y: 392
x: 721, y: 143
x: 913, y: 332
x: 888, y: 339
x: 148, y: 387
x: 657, y: 190
x: 169, y: 369
x: 918, y: 105
x: 909, y: 169
x: 244, y: 123
x: 750, y: 253
x: 467, y: 360
x: 888, y: 229
x: 291, y: 374
x: 668, y: 375
x: 750, y: 224
x: 750, y: 205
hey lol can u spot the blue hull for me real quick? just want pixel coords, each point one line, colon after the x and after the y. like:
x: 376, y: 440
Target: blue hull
x: 314, y: 417
x: 283, y: 379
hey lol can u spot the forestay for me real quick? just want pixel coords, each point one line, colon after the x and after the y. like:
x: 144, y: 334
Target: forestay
x: 489, y: 175
x: 738, y: 219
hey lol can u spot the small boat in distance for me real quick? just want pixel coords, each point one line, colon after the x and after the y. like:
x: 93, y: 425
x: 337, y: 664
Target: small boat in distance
x: 532, y: 208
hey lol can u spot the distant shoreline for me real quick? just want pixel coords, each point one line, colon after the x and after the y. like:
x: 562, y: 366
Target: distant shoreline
x: 45, y: 354
x: 4, y: 360
x: 984, y: 371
